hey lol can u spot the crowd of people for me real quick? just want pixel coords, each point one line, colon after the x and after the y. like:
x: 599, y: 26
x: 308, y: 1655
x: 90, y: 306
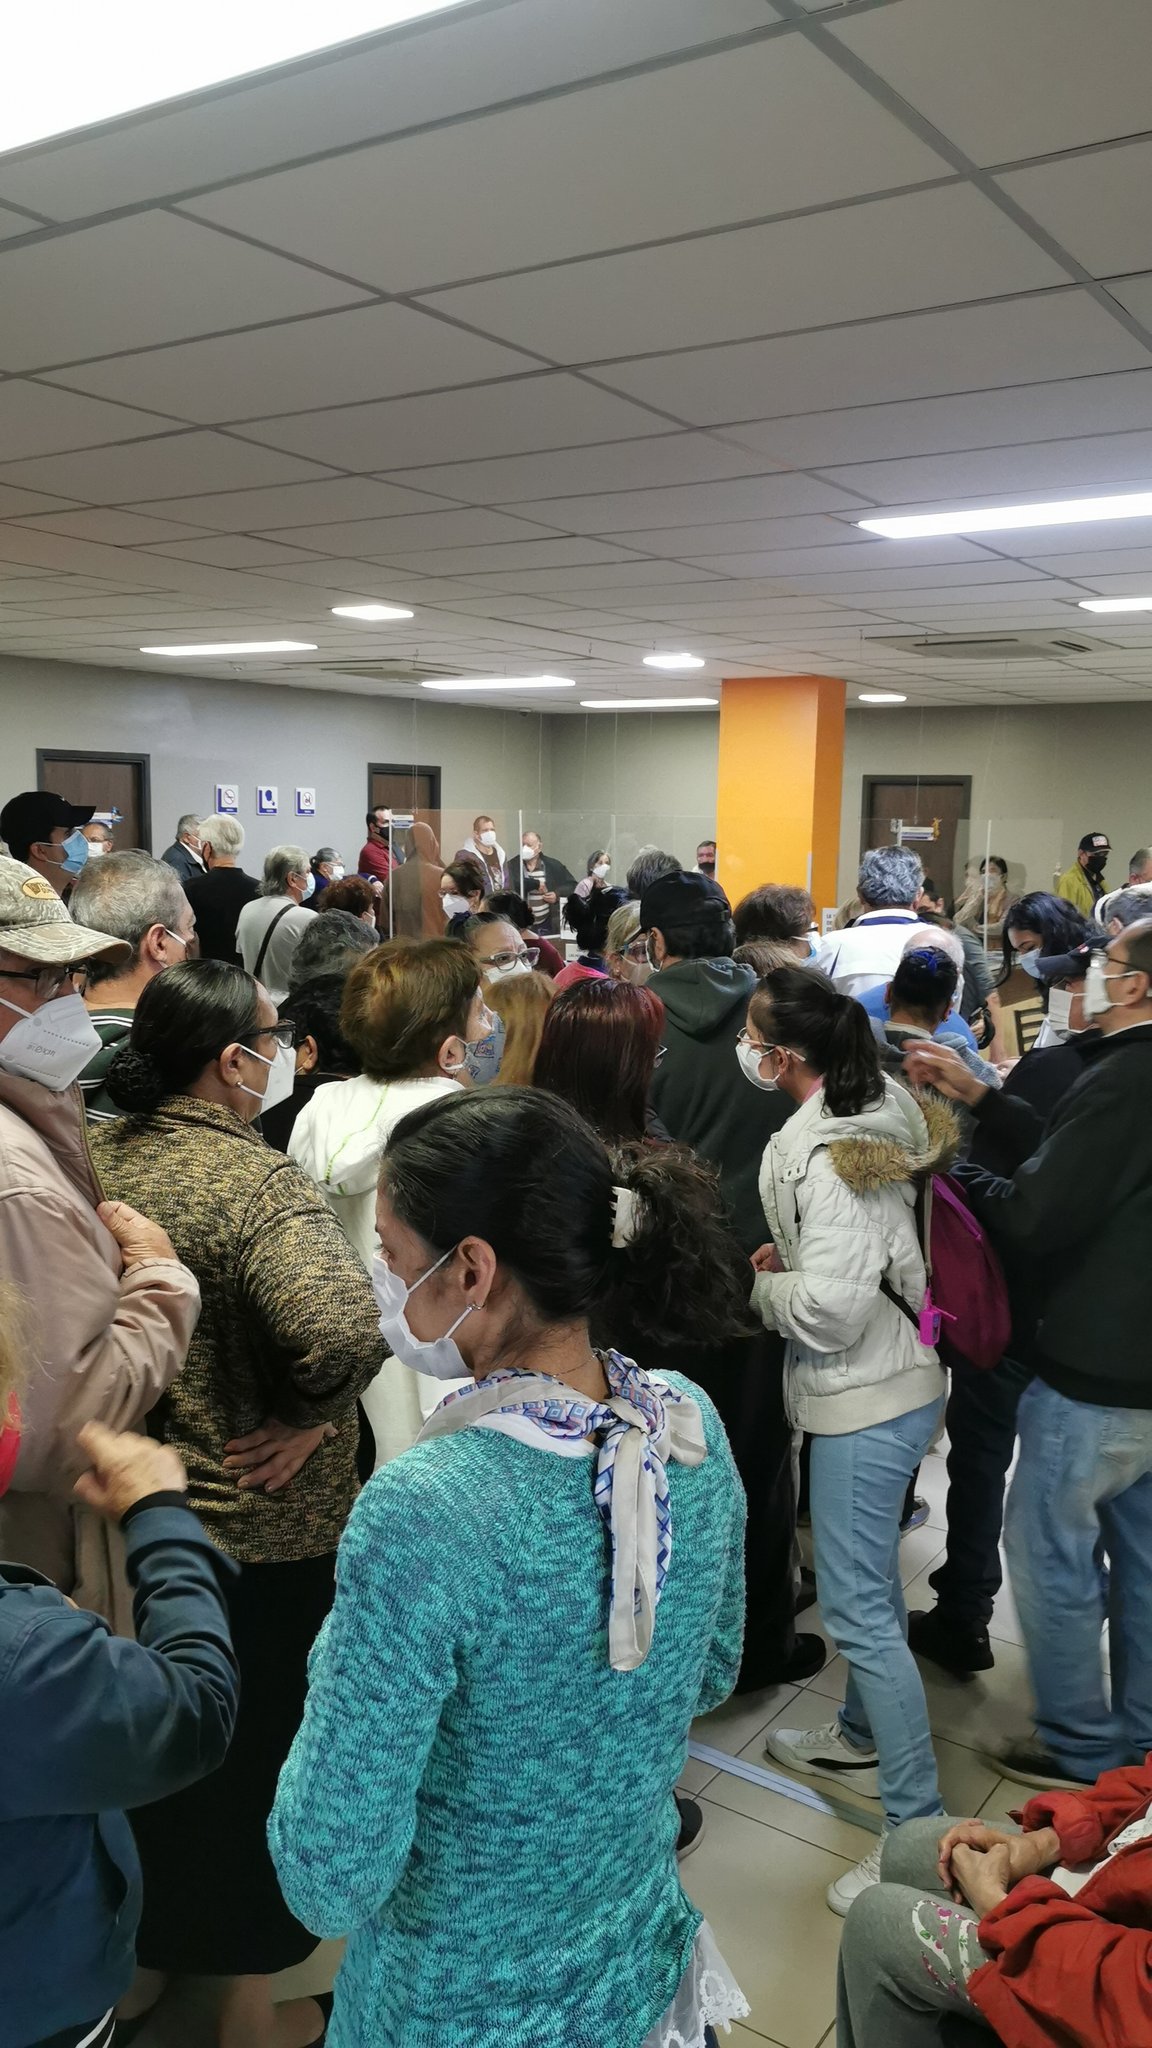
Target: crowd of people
x: 413, y: 1344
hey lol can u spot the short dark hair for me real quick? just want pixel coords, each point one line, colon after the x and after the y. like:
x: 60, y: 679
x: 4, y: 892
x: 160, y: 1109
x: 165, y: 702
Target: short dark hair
x: 521, y: 1169
x: 511, y: 907
x: 799, y: 1008
x: 404, y: 1000
x: 332, y: 944
x: 374, y: 814
x: 773, y: 911
x: 650, y: 863
x: 315, y: 1011
x: 598, y: 1051
x: 926, y: 980
x: 710, y: 936
x: 468, y: 876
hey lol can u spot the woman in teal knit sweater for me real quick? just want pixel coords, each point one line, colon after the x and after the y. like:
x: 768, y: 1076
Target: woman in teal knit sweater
x: 532, y: 1605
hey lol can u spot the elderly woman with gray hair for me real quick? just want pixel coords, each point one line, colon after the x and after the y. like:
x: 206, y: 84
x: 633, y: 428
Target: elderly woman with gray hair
x: 271, y: 927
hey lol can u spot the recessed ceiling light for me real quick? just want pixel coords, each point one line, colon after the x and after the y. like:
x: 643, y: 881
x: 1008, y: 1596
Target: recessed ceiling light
x: 1000, y: 518
x: 648, y: 703
x: 881, y: 697
x: 673, y: 661
x: 59, y: 82
x: 239, y: 647
x: 1116, y: 604
x: 371, y: 611
x: 503, y: 683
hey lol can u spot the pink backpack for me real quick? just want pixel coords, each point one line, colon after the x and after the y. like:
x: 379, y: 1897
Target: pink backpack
x: 966, y: 1314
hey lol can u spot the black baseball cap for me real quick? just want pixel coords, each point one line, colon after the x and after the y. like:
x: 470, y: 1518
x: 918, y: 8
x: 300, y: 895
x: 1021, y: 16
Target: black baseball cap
x: 680, y: 899
x: 33, y: 816
x: 1072, y: 966
x: 1095, y: 842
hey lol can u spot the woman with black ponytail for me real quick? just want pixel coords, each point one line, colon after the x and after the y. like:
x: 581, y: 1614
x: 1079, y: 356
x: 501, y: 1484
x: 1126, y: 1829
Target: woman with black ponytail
x: 533, y: 1603
x: 844, y: 1281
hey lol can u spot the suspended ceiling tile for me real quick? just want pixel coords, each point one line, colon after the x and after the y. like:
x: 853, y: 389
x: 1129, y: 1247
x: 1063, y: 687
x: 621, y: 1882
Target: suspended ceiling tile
x: 37, y: 421
x: 687, y: 504
x: 1020, y: 80
x: 373, y: 351
x: 665, y: 458
x: 432, y: 529
x: 1095, y: 205
x: 148, y: 278
x: 151, y: 469
x: 354, y: 497
x: 16, y: 504
x: 968, y: 348
x: 551, y: 411
x: 1092, y: 463
x: 118, y: 529
x: 887, y: 256
x: 609, y: 166
x: 427, y: 71
x: 524, y: 554
x: 231, y: 551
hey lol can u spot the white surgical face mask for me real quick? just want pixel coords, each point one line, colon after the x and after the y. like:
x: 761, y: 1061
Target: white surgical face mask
x: 337, y: 874
x: 96, y: 848
x: 1059, y: 1018
x: 520, y: 965
x: 1096, y: 997
x: 52, y: 1045
x: 309, y: 887
x: 750, y: 1060
x: 601, y: 869
x: 455, y: 906
x: 487, y: 839
x: 440, y: 1357
x: 281, y: 1077
x: 528, y: 853
x: 1030, y: 963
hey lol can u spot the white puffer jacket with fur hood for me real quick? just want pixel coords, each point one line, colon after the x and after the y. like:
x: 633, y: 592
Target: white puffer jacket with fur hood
x: 839, y: 1195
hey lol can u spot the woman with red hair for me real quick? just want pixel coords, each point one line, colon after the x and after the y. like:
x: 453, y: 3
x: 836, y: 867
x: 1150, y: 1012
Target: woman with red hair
x: 599, y: 1048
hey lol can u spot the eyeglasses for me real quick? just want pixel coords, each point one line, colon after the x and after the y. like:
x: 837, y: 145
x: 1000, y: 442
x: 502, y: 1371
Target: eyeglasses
x: 529, y: 953
x: 48, y: 981
x: 638, y: 951
x: 284, y: 1034
x: 757, y: 1045
x: 660, y: 1052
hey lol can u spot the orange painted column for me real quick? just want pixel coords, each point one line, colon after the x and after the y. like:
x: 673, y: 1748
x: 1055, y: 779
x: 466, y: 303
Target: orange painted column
x: 779, y: 784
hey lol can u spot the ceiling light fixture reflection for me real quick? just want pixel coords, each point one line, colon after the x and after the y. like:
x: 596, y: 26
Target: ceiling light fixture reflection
x: 502, y: 683
x: 648, y: 703
x: 231, y: 647
x: 881, y: 697
x: 1116, y: 604
x: 1001, y: 518
x: 371, y: 611
x: 673, y: 661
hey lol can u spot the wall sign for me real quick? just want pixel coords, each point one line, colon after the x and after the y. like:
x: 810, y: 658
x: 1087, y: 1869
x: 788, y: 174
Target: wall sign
x: 267, y: 800
x: 305, y: 803
x: 227, y: 798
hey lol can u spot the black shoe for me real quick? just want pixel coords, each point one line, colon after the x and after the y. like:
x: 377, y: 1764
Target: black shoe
x: 806, y: 1597
x: 917, y: 1516
x: 959, y: 1647
x: 1029, y: 1763
x: 809, y: 1655
x: 691, y: 1826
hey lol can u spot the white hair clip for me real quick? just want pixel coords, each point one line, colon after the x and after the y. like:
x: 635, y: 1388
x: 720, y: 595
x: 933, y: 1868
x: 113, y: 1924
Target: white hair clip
x: 625, y: 1219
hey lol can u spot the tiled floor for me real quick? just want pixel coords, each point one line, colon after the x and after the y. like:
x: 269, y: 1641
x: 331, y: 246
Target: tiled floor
x: 765, y: 1860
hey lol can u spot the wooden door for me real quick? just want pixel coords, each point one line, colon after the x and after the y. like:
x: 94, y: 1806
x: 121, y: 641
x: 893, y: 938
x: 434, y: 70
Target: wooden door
x: 941, y: 801
x: 108, y: 782
x: 397, y: 787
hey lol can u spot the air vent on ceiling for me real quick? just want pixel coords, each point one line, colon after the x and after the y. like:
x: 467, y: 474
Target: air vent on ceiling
x: 991, y: 646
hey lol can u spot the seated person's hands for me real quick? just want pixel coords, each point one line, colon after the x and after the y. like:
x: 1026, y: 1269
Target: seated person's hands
x: 1027, y: 1854
x: 982, y: 1876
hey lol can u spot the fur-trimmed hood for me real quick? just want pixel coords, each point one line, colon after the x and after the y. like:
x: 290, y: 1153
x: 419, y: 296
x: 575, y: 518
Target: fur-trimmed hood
x: 868, y: 1160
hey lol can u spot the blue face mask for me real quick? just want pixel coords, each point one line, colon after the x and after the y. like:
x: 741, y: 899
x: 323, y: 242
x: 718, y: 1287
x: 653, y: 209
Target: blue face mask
x: 75, y: 850
x: 309, y: 888
x: 1029, y: 963
x: 482, y: 1058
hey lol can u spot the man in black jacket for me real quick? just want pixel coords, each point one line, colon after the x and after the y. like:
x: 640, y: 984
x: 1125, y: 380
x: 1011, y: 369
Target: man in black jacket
x: 702, y: 1099
x: 1081, y: 1207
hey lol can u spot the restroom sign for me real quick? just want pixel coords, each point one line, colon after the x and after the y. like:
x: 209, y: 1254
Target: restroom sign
x: 305, y: 803
x: 267, y: 800
x: 227, y: 798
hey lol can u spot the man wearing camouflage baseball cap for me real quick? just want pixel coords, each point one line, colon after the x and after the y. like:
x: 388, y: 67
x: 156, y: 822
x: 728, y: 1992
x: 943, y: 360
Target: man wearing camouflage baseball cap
x: 106, y: 1309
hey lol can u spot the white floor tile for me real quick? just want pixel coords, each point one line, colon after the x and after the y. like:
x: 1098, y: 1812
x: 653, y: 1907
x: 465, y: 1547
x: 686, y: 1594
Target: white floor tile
x: 740, y: 1718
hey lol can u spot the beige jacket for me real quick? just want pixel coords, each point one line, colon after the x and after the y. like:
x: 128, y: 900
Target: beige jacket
x: 101, y: 1344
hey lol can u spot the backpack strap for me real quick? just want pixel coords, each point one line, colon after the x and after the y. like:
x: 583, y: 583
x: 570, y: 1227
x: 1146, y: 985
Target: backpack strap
x: 923, y: 1215
x: 266, y: 941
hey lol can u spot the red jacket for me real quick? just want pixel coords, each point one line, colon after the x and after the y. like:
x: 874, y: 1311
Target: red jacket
x: 374, y: 860
x: 1076, y: 1973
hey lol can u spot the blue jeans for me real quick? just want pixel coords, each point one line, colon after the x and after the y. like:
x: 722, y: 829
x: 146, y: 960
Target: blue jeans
x: 857, y: 1485
x: 1084, y: 1479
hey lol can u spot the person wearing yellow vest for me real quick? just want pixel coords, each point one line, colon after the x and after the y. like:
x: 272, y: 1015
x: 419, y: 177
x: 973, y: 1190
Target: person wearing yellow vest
x: 1083, y: 883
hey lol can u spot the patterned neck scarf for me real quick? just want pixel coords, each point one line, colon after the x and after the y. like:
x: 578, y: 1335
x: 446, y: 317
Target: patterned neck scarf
x: 641, y: 1425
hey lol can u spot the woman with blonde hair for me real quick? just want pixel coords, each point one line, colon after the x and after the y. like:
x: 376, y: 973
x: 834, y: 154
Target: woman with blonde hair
x: 521, y: 1002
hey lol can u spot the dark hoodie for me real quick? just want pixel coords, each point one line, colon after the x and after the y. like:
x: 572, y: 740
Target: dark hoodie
x: 699, y: 1091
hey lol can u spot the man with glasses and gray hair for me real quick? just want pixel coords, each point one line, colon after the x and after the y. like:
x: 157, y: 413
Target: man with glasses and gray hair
x: 106, y: 1309
x: 271, y: 927
x: 140, y: 900
x: 186, y: 853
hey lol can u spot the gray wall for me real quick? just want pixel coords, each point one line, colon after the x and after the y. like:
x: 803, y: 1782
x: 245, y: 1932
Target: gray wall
x: 201, y: 733
x: 633, y: 780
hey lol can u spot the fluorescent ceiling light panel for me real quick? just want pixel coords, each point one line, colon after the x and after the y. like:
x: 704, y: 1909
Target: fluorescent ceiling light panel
x: 673, y: 661
x: 371, y: 611
x: 69, y: 63
x: 222, y: 647
x: 881, y: 697
x: 1002, y: 518
x: 1116, y: 604
x: 648, y: 703
x: 504, y: 683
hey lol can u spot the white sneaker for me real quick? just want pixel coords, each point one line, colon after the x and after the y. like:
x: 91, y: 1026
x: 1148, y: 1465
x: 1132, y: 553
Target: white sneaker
x: 860, y: 1879
x: 826, y: 1753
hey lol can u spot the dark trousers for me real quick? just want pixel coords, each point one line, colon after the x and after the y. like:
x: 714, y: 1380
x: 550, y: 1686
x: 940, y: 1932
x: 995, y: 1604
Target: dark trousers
x: 94, y: 2035
x: 981, y: 1424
